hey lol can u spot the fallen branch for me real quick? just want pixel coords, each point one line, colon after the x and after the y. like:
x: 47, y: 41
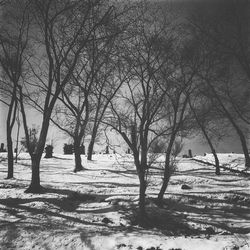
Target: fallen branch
x: 224, y: 167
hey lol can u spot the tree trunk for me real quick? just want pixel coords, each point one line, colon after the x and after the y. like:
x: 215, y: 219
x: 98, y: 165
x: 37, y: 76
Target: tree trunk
x: 35, y: 186
x: 18, y: 132
x: 167, y: 170
x: 217, y: 164
x: 216, y: 160
x: 203, y: 129
x: 243, y: 142
x: 10, y: 154
x: 142, y: 193
x: 166, y: 178
x: 244, y: 148
x: 237, y: 128
x: 91, y: 144
x: 90, y: 150
x: 9, y: 125
x: 36, y: 156
x: 17, y: 139
x: 78, y: 159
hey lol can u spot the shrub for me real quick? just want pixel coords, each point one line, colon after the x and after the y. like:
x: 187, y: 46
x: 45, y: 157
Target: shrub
x: 68, y: 149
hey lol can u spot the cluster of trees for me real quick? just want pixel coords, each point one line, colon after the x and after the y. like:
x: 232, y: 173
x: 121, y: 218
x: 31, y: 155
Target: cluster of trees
x: 140, y: 68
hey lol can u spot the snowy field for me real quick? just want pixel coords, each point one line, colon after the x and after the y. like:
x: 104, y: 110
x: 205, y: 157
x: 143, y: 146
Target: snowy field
x: 231, y: 161
x: 95, y: 209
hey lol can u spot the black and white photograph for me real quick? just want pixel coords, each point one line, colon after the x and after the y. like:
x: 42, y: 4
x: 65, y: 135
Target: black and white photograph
x: 125, y: 124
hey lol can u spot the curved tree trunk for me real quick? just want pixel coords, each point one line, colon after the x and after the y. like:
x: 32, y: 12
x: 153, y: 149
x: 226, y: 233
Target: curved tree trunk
x: 243, y: 142
x: 167, y: 170
x: 244, y: 148
x: 166, y: 178
x: 202, y: 127
x: 237, y: 128
x: 216, y: 160
x: 77, y: 152
x: 217, y: 163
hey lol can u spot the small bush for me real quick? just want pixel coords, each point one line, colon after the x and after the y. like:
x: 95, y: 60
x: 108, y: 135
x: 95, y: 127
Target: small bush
x: 48, y: 151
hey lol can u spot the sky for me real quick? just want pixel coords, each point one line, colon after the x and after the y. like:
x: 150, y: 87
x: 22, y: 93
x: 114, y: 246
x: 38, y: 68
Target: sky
x: 55, y: 136
x: 198, y: 146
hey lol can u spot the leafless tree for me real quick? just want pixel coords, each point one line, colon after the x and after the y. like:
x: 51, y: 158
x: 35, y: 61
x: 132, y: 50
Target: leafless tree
x: 224, y: 34
x: 92, y: 86
x: 137, y: 112
x: 61, y: 32
x: 223, y: 107
x: 179, y: 87
x: 13, y: 44
x: 202, y: 112
x: 108, y: 82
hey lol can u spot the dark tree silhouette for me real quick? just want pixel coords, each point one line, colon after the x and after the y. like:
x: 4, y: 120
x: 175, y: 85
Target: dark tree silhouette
x: 13, y: 45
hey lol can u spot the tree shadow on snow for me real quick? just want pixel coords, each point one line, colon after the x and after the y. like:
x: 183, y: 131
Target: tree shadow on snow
x: 47, y: 211
x: 193, y: 214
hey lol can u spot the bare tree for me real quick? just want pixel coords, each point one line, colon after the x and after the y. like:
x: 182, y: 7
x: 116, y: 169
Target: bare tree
x: 203, y: 113
x: 178, y: 87
x: 13, y: 43
x: 108, y: 82
x: 72, y: 112
x: 61, y: 33
x: 175, y: 119
x: 224, y: 36
x: 93, y: 76
x: 225, y: 112
x: 137, y: 112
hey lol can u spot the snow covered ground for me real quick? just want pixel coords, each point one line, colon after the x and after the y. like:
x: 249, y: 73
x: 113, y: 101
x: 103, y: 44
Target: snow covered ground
x: 232, y: 161
x: 95, y: 209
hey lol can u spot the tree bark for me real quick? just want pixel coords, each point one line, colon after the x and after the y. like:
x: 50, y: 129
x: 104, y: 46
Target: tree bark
x: 166, y: 178
x: 92, y: 142
x: 242, y: 140
x: 77, y: 152
x: 142, y: 193
x: 17, y: 137
x: 90, y: 149
x: 216, y: 160
x: 217, y: 163
x: 35, y: 186
x: 167, y: 170
x: 244, y: 148
x: 10, y: 154
x: 9, y: 125
x: 202, y: 127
